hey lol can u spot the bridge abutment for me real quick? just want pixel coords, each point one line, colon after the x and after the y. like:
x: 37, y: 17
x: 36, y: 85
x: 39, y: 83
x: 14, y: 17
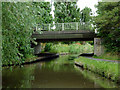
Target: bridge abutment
x: 37, y: 48
x: 98, y: 47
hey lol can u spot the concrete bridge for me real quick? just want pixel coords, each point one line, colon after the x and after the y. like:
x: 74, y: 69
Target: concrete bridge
x: 70, y: 35
x: 74, y: 31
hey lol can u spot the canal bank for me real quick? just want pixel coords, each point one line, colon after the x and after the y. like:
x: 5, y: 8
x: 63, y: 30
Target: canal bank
x: 38, y: 58
x: 107, y: 69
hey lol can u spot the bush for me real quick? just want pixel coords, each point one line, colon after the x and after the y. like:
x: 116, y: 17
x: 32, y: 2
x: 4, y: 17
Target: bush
x: 18, y: 21
x: 71, y: 48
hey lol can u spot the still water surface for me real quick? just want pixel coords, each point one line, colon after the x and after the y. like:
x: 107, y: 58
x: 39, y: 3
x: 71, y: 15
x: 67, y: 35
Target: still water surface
x: 57, y: 73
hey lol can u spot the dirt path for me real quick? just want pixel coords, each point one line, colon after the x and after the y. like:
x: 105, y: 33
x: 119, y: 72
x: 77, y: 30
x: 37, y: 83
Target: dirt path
x: 117, y: 61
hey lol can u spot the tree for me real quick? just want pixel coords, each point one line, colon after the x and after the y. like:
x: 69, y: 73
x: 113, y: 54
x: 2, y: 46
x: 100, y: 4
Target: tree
x: 66, y: 12
x: 42, y: 12
x: 108, y: 24
x: 18, y: 21
x: 86, y: 15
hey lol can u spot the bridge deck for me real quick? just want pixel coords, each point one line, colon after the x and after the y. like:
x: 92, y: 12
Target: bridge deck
x: 73, y: 35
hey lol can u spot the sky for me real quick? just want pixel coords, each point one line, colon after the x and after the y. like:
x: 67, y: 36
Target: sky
x: 88, y: 3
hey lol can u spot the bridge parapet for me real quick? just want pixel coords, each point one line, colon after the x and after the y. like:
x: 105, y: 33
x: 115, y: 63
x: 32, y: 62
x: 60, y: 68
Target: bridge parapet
x: 65, y: 26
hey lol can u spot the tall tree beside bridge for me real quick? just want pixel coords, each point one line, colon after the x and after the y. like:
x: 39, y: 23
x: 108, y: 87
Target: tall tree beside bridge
x: 86, y: 14
x: 42, y: 12
x: 66, y: 12
x: 69, y: 12
x: 18, y: 21
x: 108, y: 24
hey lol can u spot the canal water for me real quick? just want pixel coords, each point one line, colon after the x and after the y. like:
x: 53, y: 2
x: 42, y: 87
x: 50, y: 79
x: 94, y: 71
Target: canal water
x: 57, y: 73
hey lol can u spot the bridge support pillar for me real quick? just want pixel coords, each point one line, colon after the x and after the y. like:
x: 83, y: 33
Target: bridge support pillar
x: 98, y: 47
x: 37, y: 48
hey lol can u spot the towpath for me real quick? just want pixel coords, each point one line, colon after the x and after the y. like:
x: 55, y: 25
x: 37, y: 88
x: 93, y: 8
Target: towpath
x: 117, y: 61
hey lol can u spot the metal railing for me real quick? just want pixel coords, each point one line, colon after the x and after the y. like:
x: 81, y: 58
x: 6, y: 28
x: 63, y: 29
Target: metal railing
x: 65, y: 26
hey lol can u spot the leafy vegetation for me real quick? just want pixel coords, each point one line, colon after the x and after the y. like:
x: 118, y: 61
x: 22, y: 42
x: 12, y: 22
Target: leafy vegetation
x: 69, y: 12
x: 0, y: 37
x: 18, y: 22
x: 104, y: 68
x: 108, y: 25
x: 66, y: 12
x: 75, y: 48
x: 86, y: 14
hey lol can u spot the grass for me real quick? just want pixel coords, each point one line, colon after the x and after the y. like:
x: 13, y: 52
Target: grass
x: 105, y: 83
x: 104, y: 68
x: 71, y: 48
x: 30, y: 58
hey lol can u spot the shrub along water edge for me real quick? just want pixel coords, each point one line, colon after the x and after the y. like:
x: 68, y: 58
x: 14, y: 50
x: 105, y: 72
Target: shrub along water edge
x: 69, y: 48
x: 18, y: 22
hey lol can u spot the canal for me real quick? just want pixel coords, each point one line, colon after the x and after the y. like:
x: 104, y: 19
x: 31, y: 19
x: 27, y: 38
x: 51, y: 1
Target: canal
x: 57, y: 73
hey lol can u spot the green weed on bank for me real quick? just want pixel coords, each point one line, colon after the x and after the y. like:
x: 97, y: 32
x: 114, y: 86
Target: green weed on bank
x: 71, y: 48
x: 104, y: 68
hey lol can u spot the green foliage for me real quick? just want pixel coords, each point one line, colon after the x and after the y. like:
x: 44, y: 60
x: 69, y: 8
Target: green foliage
x: 105, y: 83
x: 18, y: 22
x: 59, y: 48
x: 108, y: 24
x: 86, y: 15
x: 66, y: 12
x: 0, y: 37
x: 78, y: 49
x: 107, y: 69
x: 71, y: 48
x: 42, y: 12
x: 48, y: 47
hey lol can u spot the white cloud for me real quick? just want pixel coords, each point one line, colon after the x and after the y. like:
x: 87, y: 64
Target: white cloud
x: 88, y: 3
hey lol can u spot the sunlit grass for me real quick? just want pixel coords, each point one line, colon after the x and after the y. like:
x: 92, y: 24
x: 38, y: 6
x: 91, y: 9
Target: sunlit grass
x: 71, y: 48
x: 104, y: 68
x: 97, y: 78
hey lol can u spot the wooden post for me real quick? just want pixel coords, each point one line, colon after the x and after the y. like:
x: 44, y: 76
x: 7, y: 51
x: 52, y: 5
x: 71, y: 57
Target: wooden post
x: 62, y: 26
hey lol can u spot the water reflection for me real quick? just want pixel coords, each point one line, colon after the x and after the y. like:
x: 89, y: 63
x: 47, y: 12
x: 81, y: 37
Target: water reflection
x: 58, y: 73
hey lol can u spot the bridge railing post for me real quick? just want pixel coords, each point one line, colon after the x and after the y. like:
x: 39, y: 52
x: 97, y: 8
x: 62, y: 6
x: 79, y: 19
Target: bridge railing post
x: 49, y: 27
x: 36, y: 28
x: 76, y: 25
x: 62, y: 26
x: 43, y: 26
